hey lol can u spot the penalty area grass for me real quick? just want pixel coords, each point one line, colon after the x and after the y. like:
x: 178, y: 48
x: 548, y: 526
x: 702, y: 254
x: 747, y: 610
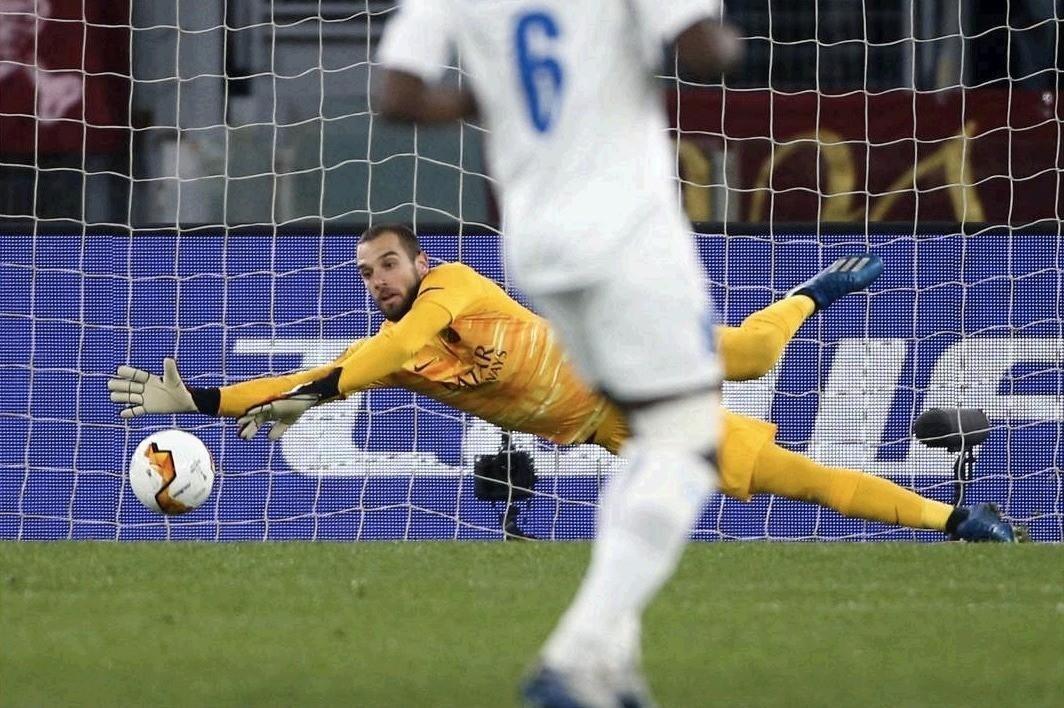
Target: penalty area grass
x: 457, y: 624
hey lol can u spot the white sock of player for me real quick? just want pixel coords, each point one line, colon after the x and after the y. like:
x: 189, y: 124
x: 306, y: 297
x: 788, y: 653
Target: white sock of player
x: 628, y: 640
x: 644, y: 521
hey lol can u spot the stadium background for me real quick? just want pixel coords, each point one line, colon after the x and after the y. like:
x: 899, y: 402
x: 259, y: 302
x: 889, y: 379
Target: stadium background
x: 188, y: 179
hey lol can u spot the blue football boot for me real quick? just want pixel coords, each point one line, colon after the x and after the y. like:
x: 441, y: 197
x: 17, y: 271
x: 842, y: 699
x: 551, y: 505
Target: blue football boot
x: 550, y: 688
x: 983, y: 523
x: 636, y: 695
x: 846, y: 275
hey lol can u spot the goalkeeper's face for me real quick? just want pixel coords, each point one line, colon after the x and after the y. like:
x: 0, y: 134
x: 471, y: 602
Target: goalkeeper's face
x: 391, y: 274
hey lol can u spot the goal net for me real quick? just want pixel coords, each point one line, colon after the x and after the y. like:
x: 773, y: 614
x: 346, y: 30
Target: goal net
x: 189, y: 180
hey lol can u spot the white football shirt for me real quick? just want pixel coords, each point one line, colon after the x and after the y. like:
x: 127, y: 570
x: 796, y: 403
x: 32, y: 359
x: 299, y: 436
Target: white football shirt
x: 576, y: 127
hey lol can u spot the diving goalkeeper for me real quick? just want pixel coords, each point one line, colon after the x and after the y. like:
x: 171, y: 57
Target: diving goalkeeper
x: 455, y: 336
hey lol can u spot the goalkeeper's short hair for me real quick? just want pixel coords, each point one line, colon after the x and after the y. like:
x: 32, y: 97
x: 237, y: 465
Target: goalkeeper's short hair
x: 406, y: 235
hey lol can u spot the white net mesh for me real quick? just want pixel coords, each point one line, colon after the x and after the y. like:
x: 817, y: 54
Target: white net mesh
x: 189, y: 179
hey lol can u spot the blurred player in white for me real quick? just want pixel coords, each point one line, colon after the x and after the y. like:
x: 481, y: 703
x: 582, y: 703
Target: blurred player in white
x: 595, y: 236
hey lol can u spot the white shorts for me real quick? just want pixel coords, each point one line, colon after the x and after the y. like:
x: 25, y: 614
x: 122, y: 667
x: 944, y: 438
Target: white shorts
x: 645, y: 329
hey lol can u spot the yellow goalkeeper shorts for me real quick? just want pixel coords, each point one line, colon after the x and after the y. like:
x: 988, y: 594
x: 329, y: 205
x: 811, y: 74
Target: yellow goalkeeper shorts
x: 741, y: 443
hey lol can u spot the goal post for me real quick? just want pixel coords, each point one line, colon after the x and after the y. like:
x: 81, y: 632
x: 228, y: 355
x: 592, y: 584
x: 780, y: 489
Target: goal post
x: 190, y: 181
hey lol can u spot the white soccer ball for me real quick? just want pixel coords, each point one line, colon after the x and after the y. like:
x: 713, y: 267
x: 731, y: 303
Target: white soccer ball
x: 171, y: 472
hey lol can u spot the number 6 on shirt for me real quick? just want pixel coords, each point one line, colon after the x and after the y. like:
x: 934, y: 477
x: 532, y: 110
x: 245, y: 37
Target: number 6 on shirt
x: 542, y: 77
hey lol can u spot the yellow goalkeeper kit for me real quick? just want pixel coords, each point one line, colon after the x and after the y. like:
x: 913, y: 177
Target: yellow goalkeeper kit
x: 468, y: 344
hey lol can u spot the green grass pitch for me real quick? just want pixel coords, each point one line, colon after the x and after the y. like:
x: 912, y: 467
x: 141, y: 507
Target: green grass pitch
x: 456, y: 624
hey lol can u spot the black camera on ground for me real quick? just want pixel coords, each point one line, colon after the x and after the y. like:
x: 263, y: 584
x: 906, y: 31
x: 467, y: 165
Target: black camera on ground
x: 958, y: 430
x: 506, y: 476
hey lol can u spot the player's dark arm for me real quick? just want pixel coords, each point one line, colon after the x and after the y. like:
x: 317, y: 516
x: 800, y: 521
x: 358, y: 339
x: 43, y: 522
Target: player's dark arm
x: 708, y: 48
x: 404, y: 97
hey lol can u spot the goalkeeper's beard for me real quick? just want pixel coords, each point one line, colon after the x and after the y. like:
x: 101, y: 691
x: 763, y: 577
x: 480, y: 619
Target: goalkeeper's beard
x: 396, y: 310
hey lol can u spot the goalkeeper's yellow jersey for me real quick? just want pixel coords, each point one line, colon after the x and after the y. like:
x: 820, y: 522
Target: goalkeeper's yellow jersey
x: 468, y: 344
x: 498, y: 361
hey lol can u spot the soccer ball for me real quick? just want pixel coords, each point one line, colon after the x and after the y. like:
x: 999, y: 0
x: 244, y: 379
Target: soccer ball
x: 171, y: 472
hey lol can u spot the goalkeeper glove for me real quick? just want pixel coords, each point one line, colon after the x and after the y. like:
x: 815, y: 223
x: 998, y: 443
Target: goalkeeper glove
x: 143, y: 392
x: 286, y: 409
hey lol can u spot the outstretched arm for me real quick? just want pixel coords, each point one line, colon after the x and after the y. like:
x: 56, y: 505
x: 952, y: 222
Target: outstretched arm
x: 143, y: 392
x: 234, y: 400
x: 445, y: 293
x: 377, y: 357
x: 281, y: 398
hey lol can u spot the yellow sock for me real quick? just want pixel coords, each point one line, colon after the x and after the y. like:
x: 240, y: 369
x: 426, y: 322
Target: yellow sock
x: 852, y: 493
x: 751, y: 349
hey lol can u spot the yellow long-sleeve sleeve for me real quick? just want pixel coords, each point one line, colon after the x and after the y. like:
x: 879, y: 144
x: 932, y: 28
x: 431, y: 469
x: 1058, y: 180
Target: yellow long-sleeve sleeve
x: 364, y: 363
x: 367, y: 361
x: 237, y: 398
x: 387, y: 351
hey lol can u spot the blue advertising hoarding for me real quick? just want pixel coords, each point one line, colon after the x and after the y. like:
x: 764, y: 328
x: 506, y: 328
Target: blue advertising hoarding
x: 970, y: 321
